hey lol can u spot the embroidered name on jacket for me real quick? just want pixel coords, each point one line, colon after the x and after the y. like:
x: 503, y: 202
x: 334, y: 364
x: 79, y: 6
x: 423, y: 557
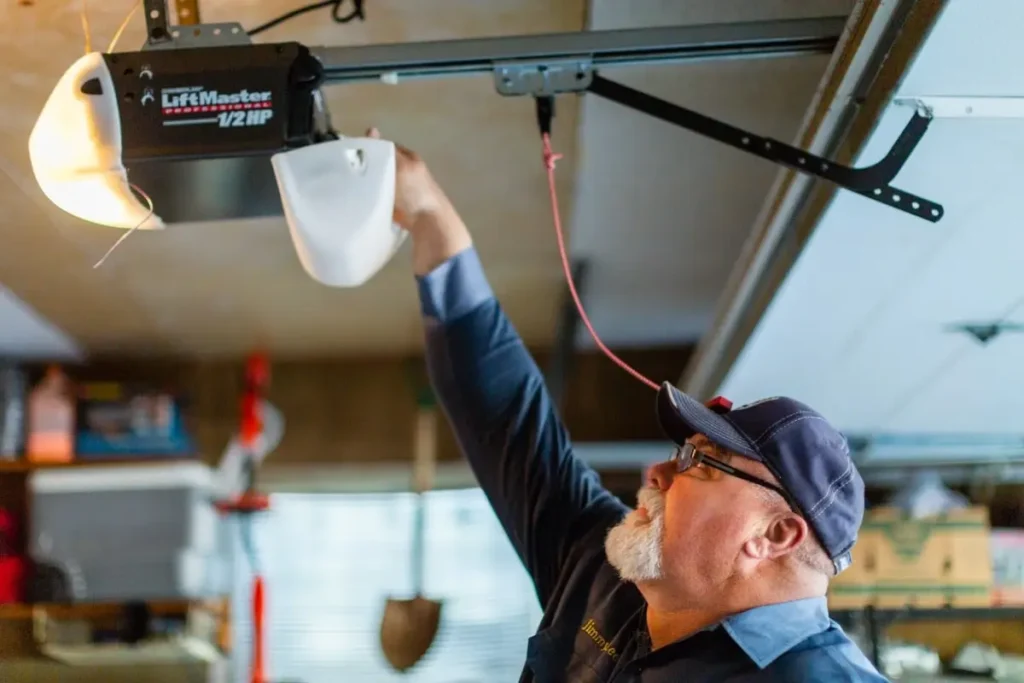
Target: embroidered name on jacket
x: 590, y: 628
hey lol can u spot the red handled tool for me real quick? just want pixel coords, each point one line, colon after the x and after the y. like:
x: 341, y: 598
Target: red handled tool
x: 251, y: 501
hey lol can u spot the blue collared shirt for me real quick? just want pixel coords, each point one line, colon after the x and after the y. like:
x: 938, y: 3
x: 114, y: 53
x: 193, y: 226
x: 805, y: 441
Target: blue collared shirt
x: 556, y: 514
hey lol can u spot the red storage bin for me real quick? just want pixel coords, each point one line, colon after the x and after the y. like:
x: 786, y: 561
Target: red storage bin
x: 12, y: 579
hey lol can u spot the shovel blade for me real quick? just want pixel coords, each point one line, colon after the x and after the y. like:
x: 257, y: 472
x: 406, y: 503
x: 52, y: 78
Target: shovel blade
x: 408, y: 630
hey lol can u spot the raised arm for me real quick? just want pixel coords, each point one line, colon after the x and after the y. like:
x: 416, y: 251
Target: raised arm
x: 547, y: 499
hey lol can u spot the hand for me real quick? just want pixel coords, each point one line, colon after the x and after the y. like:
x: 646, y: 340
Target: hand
x: 422, y: 208
x: 417, y: 194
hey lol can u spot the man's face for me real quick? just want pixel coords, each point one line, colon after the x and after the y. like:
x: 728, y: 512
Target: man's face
x: 689, y: 528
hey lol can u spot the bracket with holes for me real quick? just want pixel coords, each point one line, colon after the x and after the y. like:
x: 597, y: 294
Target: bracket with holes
x: 871, y: 181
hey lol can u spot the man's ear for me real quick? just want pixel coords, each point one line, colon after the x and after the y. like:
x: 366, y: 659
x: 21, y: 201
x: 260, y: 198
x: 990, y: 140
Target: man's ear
x: 782, y: 535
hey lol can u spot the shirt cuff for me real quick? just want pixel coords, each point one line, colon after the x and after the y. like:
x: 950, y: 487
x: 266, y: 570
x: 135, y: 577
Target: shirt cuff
x: 455, y: 287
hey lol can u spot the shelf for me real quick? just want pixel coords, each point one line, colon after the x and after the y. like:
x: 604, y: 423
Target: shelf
x: 932, y: 613
x: 165, y: 651
x: 21, y: 466
x: 102, y: 610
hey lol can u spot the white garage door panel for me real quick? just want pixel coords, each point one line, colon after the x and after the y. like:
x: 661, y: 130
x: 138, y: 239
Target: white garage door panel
x: 885, y: 370
x: 974, y: 50
x: 859, y: 328
x: 848, y: 269
x: 980, y: 391
x: 904, y: 343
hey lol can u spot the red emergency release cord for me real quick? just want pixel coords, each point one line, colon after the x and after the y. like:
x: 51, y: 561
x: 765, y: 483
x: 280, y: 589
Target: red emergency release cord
x: 549, y: 162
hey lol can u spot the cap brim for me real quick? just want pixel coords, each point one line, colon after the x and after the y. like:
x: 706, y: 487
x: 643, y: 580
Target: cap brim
x: 681, y: 417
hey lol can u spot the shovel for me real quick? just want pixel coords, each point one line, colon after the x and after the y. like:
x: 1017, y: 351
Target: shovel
x: 409, y: 626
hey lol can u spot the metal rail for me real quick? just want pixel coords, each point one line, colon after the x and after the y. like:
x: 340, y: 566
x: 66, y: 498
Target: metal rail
x: 446, y: 58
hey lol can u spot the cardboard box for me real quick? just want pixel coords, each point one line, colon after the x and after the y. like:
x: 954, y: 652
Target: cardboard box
x: 115, y: 419
x: 1008, y: 567
x: 929, y: 562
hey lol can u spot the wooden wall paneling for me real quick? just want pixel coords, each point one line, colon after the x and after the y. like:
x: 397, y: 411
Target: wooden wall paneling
x: 360, y: 410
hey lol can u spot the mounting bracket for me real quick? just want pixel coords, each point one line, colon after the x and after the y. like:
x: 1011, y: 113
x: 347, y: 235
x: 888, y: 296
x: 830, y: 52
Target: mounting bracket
x: 871, y: 181
x: 157, y: 24
x: 985, y: 332
x: 946, y: 107
x: 202, y: 35
x: 160, y: 35
x: 542, y: 79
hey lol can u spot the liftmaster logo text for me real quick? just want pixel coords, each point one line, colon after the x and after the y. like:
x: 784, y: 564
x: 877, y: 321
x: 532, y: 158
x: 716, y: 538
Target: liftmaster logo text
x: 196, y: 105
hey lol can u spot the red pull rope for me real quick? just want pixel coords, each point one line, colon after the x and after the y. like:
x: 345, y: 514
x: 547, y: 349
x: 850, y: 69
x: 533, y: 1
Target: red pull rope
x: 550, y: 158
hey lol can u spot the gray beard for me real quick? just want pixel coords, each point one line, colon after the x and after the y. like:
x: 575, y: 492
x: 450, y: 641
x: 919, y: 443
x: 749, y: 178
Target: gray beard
x: 635, y: 550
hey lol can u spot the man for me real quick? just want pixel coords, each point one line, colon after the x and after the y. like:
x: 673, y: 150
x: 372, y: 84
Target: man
x: 721, y: 571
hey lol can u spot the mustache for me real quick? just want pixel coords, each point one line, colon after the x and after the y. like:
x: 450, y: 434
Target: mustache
x: 652, y: 500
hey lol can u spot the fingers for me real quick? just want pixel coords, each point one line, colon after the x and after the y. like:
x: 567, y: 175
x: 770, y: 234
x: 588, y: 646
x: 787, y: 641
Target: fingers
x: 403, y: 152
x: 406, y: 153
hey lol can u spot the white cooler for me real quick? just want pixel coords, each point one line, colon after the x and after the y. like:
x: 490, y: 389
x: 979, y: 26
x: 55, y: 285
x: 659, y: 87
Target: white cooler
x: 132, y: 532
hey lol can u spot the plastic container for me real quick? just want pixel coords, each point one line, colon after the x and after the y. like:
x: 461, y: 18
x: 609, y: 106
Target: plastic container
x: 13, y: 387
x: 51, y: 419
x: 131, y: 532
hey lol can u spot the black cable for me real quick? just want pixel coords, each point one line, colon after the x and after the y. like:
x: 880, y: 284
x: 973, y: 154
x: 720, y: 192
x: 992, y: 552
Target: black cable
x: 545, y: 113
x: 335, y: 5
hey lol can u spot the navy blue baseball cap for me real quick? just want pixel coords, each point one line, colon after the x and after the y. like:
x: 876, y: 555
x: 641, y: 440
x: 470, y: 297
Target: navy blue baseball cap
x: 810, y: 458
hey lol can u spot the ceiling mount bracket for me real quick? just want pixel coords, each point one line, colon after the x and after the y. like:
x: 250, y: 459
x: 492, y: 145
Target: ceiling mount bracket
x: 157, y: 25
x: 947, y: 107
x: 188, y: 33
x: 203, y: 35
x: 870, y: 181
x: 543, y: 79
x: 985, y: 332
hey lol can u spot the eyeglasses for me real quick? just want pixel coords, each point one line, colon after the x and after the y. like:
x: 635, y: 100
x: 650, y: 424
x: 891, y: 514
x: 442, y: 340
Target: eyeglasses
x: 687, y: 457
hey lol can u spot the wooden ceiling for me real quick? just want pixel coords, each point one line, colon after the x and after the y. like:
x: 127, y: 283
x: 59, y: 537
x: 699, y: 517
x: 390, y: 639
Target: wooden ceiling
x: 220, y: 289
